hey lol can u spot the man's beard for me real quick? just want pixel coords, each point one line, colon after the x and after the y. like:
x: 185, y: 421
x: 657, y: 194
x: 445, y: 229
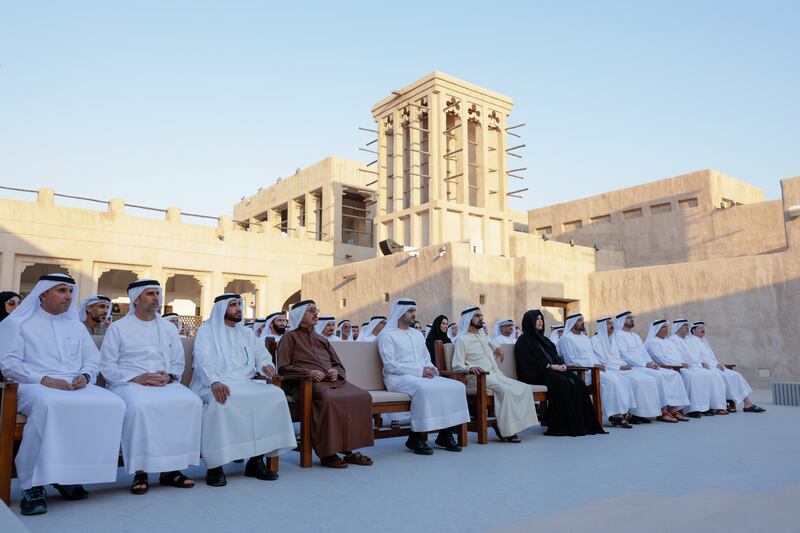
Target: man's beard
x: 479, y: 325
x: 232, y: 318
x: 279, y: 330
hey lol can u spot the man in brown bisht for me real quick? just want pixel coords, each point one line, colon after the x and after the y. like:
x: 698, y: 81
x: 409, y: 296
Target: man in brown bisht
x: 342, y: 412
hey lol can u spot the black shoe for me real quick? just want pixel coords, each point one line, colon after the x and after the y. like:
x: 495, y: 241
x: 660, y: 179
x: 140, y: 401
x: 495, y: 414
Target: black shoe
x: 419, y: 447
x: 34, y: 501
x: 72, y: 492
x: 619, y: 422
x: 694, y: 414
x: 710, y: 412
x: 448, y: 443
x: 257, y: 468
x: 638, y: 420
x: 215, y: 477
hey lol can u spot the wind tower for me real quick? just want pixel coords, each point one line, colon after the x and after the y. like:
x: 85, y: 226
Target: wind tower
x: 441, y: 165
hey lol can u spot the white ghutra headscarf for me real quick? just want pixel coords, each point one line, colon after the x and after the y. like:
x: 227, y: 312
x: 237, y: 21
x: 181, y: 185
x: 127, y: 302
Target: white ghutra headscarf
x: 466, y: 320
x: 91, y: 300
x: 322, y: 322
x: 399, y: 308
x: 136, y: 289
x: 297, y: 312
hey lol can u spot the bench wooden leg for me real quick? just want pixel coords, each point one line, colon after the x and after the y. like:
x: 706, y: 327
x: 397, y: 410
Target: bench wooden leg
x: 462, y: 435
x: 598, y: 405
x: 306, y: 421
x: 274, y: 463
x: 8, y: 422
x: 481, y: 413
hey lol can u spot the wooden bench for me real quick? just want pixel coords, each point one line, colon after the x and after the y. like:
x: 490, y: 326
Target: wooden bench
x: 364, y: 369
x: 481, y: 400
x: 12, y: 424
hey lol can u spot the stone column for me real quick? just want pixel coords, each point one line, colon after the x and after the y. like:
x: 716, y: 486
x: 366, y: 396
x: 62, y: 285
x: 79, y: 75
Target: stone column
x: 7, y: 269
x: 435, y: 143
x: 311, y: 219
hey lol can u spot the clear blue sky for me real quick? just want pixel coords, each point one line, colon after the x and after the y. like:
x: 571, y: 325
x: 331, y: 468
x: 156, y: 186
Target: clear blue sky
x: 195, y: 104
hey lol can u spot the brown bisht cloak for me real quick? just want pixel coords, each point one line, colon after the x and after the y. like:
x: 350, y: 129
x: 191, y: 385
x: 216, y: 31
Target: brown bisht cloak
x: 342, y: 412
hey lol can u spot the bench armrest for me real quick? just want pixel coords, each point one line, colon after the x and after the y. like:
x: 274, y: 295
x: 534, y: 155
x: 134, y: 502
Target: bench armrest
x: 676, y: 368
x: 293, y: 378
x: 581, y: 368
x: 729, y: 366
x: 274, y: 380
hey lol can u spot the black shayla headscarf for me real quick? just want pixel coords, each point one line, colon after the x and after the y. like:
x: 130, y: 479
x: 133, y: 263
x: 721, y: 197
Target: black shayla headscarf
x: 4, y: 297
x: 533, y: 340
x: 435, y: 334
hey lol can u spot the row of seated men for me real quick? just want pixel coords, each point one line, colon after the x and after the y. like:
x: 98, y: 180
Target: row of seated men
x: 75, y: 429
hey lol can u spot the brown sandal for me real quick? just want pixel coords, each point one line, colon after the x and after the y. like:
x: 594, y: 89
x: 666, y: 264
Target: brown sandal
x: 358, y: 458
x: 671, y: 419
x: 140, y: 483
x: 333, y: 461
x: 175, y: 479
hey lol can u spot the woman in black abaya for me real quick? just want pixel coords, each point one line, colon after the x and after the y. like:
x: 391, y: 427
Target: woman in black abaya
x: 438, y: 332
x: 569, y: 407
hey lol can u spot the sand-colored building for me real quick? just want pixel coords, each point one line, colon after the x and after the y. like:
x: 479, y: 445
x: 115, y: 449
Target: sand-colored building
x: 331, y: 201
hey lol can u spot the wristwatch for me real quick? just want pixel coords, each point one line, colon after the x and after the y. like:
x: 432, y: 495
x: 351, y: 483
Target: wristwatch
x: 173, y: 377
x: 87, y: 376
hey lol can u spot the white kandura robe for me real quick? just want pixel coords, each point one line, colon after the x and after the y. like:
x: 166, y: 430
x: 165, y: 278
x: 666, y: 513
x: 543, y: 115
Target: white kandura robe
x: 698, y: 384
x: 616, y: 393
x: 671, y: 390
x: 503, y: 339
x: 513, y: 400
x: 736, y: 387
x: 436, y: 403
x: 70, y: 437
x: 691, y: 357
x: 645, y: 387
x: 161, y: 431
x: 255, y: 418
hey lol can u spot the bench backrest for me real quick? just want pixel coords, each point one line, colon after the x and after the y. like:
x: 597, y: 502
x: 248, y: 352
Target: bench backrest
x: 188, y: 346
x: 362, y: 362
x: 508, y: 366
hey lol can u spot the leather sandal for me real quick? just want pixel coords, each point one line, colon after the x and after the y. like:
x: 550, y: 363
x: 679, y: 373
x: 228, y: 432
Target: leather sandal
x: 175, y: 479
x: 358, y: 458
x: 333, y: 461
x: 670, y: 420
x: 140, y: 483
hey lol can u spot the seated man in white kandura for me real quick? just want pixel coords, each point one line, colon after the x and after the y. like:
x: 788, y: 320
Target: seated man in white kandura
x: 737, y: 390
x: 73, y: 428
x: 616, y: 393
x: 242, y: 418
x: 142, y: 361
x: 504, y: 332
x: 698, y: 384
x: 679, y: 340
x: 645, y: 387
x: 672, y: 392
x: 437, y: 403
x: 513, y: 400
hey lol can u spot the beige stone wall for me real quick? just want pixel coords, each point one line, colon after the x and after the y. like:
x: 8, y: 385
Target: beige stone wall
x: 459, y: 278
x: 670, y: 221
x: 89, y: 242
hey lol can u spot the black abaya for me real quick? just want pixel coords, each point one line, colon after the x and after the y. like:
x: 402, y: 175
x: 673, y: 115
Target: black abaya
x: 569, y: 407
